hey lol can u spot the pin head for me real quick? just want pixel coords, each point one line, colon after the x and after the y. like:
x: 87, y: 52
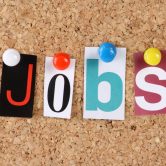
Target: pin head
x: 61, y: 61
x: 152, y: 56
x: 107, y: 52
x: 11, y: 57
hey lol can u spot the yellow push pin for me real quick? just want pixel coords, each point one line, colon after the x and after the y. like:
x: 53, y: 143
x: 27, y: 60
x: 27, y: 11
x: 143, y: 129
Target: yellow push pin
x: 152, y: 56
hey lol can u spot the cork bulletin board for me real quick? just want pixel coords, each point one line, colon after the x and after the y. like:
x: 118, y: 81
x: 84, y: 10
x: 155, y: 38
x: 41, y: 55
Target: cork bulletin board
x: 43, y: 27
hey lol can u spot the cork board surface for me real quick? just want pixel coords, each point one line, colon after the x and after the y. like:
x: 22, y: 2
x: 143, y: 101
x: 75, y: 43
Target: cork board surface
x: 43, y: 27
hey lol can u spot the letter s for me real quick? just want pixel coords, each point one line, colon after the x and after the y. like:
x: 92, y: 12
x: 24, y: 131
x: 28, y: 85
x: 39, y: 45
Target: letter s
x: 149, y: 87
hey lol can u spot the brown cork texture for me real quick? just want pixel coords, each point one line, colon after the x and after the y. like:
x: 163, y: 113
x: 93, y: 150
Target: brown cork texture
x: 43, y: 27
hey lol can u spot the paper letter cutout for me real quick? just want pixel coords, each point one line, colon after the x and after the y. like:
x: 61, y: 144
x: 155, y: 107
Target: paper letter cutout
x: 17, y: 88
x: 150, y: 86
x: 58, y: 89
x: 104, y: 86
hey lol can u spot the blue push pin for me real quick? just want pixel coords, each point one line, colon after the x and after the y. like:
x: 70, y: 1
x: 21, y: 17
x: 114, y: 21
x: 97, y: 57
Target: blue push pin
x: 107, y: 52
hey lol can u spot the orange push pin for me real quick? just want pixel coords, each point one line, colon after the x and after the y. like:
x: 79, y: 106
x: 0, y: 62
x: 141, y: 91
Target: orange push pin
x: 61, y: 61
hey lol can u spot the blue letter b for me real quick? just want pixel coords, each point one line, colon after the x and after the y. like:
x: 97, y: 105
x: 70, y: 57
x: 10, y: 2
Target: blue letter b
x: 92, y: 82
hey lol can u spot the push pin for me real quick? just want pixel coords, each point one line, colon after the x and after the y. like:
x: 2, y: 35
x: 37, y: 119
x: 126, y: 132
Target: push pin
x: 61, y: 61
x: 107, y: 52
x: 11, y: 57
x: 152, y: 56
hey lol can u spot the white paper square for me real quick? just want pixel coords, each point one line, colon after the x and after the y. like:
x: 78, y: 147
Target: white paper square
x: 51, y: 71
x: 118, y: 66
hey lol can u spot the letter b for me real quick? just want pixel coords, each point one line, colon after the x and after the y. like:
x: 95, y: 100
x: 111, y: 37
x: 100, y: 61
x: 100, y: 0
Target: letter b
x: 93, y: 80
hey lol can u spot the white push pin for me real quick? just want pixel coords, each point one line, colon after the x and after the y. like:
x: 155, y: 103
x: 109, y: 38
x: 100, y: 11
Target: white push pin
x: 11, y: 57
